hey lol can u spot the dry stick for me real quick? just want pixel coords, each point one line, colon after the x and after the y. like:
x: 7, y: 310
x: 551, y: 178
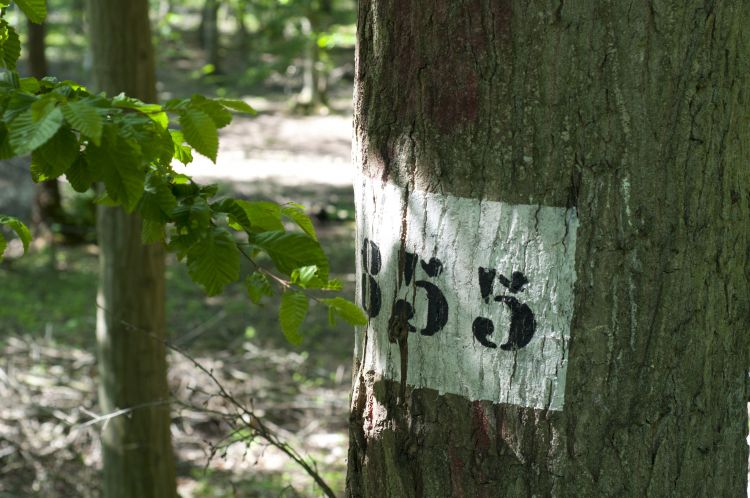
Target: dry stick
x: 253, y: 422
x: 123, y: 411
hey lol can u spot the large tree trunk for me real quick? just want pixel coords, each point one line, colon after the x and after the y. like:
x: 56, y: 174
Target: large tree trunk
x: 137, y: 455
x: 599, y: 149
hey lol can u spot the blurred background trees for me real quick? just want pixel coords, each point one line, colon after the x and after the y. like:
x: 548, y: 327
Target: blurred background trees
x: 302, y: 48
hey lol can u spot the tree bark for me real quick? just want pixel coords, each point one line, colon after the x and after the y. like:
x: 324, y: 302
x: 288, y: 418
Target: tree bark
x: 137, y: 455
x: 622, y: 129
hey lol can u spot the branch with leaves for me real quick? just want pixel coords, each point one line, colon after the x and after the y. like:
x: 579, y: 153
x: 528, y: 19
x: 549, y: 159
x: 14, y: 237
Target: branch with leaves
x: 129, y: 146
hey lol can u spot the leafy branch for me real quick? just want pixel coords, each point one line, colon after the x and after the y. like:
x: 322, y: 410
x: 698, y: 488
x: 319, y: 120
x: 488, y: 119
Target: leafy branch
x: 129, y: 146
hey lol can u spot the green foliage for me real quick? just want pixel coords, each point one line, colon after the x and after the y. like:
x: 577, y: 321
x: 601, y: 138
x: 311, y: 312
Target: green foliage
x: 84, y: 117
x: 346, y: 310
x: 290, y: 251
x: 55, y: 157
x: 296, y: 213
x: 11, y: 45
x: 292, y: 313
x: 237, y: 105
x: 129, y: 147
x: 258, y: 285
x: 214, y: 260
x: 35, y: 10
x: 200, y: 132
x: 17, y: 226
x: 37, y: 123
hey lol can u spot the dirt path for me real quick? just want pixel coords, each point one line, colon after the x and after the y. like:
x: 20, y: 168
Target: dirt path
x: 288, y: 150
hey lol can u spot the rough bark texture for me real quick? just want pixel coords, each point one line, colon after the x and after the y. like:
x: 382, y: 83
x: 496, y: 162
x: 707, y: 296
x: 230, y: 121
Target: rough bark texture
x: 137, y: 455
x: 635, y: 114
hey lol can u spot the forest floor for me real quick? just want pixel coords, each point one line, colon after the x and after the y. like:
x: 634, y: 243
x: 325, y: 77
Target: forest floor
x: 47, y: 362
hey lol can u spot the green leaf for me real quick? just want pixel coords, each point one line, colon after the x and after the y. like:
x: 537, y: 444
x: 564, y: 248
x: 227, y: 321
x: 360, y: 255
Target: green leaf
x: 180, y: 179
x: 333, y: 285
x: 220, y: 116
x: 56, y: 156
x: 155, y: 142
x: 192, y: 213
x: 237, y: 105
x: 17, y: 104
x: 35, y: 10
x: 125, y: 102
x: 29, y: 84
x: 121, y: 170
x: 152, y: 231
x: 200, y: 132
x: 84, y: 117
x: 11, y: 47
x: 161, y: 118
x: 17, y: 226
x: 252, y: 216
x: 258, y: 285
x: 158, y: 201
x: 35, y: 126
x: 304, y: 276
x: 214, y: 261
x: 297, y: 214
x: 290, y: 251
x: 3, y: 245
x: 291, y: 315
x: 182, y: 153
x: 263, y: 216
x: 347, y: 310
x: 175, y: 105
x: 81, y: 175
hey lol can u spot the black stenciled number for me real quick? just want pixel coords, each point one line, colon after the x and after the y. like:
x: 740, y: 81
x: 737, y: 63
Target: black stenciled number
x: 371, y: 299
x: 522, y: 321
x: 437, y: 305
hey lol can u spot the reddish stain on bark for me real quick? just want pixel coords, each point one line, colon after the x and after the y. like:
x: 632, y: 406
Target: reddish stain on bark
x: 503, y: 13
x: 480, y: 423
x: 432, y: 59
x: 457, y: 472
x: 453, y: 95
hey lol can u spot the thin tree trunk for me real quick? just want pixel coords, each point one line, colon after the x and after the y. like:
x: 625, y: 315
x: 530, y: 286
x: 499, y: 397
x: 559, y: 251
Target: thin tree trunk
x: 554, y: 222
x: 138, y: 460
x: 243, y: 36
x: 210, y: 33
x: 47, y: 201
x: 310, y: 97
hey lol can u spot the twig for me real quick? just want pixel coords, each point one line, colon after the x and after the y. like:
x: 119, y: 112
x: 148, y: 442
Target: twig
x: 123, y: 411
x: 248, y: 418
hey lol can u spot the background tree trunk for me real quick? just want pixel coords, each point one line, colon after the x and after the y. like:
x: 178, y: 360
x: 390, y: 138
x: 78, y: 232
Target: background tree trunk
x: 47, y: 201
x: 313, y: 94
x: 631, y: 117
x: 137, y: 455
x: 209, y: 33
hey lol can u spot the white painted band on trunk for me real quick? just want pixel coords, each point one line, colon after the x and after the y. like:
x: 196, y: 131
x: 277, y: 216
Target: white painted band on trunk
x: 466, y: 234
